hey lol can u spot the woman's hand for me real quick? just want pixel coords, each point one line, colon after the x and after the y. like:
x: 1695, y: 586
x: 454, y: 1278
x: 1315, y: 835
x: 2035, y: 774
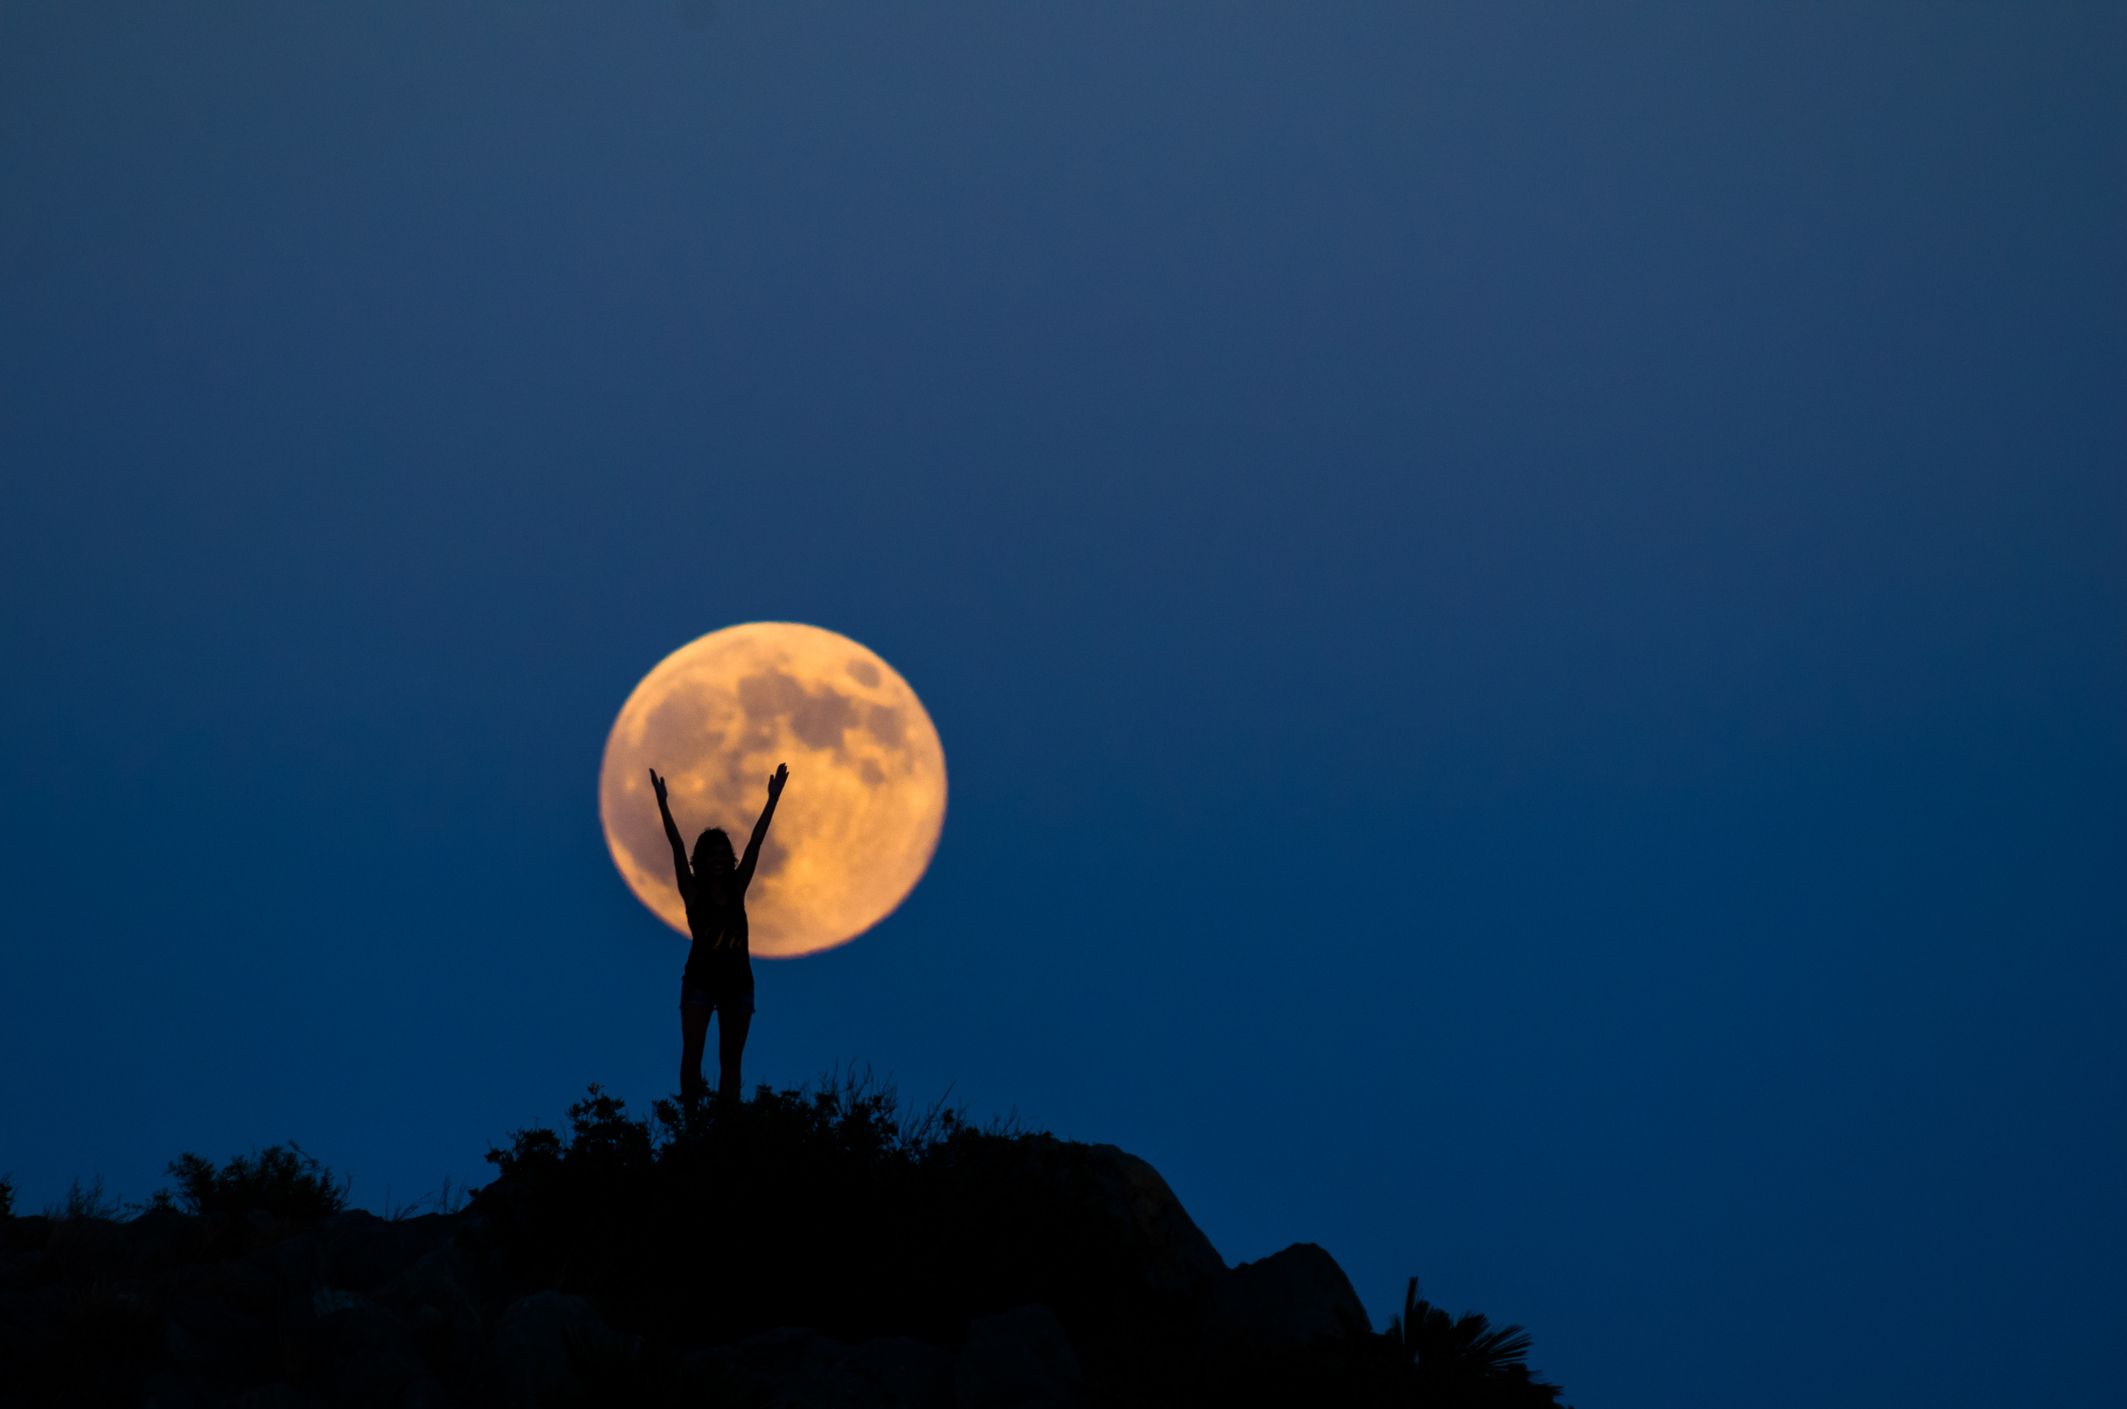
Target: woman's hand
x: 776, y: 781
x: 657, y: 785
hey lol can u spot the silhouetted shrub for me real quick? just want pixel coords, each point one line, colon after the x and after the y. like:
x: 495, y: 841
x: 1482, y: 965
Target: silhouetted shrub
x: 7, y: 1197
x: 851, y: 1116
x: 280, y: 1180
x: 85, y: 1201
x: 631, y: 1211
x: 1462, y: 1361
x: 530, y: 1151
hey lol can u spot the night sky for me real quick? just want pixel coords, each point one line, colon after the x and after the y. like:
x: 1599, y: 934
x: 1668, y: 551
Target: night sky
x: 1525, y: 604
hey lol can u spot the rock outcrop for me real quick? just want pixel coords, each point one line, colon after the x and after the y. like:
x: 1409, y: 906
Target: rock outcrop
x: 804, y: 1265
x: 1288, y: 1301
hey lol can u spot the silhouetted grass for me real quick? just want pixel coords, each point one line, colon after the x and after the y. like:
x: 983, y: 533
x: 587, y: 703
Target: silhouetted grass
x: 449, y: 1199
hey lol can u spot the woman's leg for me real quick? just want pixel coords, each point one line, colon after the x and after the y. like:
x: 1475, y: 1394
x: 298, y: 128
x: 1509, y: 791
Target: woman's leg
x: 693, y: 1036
x: 730, y: 1046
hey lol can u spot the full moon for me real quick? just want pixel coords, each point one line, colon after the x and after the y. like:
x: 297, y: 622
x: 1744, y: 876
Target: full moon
x: 859, y: 819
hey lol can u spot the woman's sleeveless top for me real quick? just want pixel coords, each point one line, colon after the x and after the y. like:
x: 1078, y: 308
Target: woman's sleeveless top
x: 718, y: 959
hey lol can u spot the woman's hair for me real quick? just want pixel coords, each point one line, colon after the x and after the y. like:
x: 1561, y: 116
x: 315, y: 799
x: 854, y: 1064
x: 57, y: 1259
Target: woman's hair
x: 712, y: 853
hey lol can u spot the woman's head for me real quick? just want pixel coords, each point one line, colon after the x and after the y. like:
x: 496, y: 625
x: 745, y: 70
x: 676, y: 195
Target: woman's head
x: 712, y: 854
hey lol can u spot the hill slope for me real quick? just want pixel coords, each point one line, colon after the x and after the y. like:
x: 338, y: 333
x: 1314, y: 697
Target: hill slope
x: 801, y: 1249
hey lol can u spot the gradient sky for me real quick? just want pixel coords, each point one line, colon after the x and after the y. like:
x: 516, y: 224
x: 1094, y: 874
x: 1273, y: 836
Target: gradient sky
x: 1525, y: 605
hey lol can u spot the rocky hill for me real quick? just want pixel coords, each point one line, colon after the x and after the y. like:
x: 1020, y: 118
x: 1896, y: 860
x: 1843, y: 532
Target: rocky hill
x: 801, y: 1249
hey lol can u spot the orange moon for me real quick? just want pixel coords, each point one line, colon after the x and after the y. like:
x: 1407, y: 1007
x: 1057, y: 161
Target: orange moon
x: 861, y: 814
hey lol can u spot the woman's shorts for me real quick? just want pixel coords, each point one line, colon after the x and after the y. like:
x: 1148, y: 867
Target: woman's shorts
x: 692, y: 994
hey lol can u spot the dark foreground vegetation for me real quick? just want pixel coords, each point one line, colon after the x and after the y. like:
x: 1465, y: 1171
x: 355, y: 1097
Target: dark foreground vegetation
x: 802, y: 1249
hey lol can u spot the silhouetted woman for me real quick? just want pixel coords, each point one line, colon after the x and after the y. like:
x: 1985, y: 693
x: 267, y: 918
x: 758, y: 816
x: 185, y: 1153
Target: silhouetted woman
x: 719, y: 973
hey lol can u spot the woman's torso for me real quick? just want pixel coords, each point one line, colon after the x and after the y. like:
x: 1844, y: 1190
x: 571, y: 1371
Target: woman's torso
x: 718, y: 958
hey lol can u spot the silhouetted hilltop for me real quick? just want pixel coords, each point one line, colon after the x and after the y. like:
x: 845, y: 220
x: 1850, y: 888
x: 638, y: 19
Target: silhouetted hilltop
x: 802, y: 1249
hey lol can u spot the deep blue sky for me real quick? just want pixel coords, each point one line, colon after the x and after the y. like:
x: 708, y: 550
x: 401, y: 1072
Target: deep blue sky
x: 1525, y: 606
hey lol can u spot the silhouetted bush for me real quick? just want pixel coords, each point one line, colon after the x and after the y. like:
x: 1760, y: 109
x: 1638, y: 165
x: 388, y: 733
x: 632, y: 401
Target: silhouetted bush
x: 1462, y: 1361
x: 85, y: 1201
x: 7, y: 1197
x: 280, y: 1180
x: 781, y: 1193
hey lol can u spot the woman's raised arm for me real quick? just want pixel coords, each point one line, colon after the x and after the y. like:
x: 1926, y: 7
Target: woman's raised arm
x: 760, y: 828
x: 681, y: 874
